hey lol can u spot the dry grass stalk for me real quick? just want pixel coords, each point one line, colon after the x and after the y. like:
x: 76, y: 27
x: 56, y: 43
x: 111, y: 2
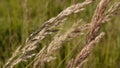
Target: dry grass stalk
x: 97, y: 20
x: 43, y: 31
x: 114, y: 10
x: 40, y: 55
x: 70, y: 63
x: 73, y: 32
x: 47, y: 27
x: 55, y: 45
x: 81, y: 58
x: 14, y: 54
x: 93, y: 36
x: 86, y: 51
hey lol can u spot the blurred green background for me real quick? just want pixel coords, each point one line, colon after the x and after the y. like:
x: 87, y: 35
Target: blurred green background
x: 16, y: 25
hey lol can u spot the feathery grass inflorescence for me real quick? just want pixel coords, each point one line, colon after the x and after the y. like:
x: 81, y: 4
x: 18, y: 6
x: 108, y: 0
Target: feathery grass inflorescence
x: 93, y: 36
x: 96, y: 25
x: 54, y: 46
x: 48, y: 53
x: 46, y: 29
x: 114, y: 10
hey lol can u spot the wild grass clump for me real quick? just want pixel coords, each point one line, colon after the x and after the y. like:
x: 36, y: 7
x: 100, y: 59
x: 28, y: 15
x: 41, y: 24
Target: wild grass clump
x: 48, y: 53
